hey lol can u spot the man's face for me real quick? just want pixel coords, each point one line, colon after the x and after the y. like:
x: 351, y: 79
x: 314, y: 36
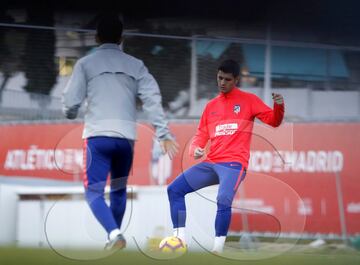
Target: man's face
x: 226, y: 81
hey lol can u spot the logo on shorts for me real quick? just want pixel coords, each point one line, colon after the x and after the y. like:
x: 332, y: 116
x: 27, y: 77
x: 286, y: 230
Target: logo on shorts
x: 236, y: 109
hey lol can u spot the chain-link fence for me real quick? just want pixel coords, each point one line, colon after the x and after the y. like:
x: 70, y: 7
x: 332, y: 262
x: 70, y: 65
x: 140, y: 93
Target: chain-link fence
x: 319, y: 82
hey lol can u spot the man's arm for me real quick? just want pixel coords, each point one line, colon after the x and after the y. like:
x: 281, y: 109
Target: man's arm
x: 74, y: 92
x: 267, y: 115
x: 149, y: 93
x: 200, y: 139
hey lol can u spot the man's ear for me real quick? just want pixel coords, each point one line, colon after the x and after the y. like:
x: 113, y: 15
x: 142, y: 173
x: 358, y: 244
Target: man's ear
x: 237, y: 80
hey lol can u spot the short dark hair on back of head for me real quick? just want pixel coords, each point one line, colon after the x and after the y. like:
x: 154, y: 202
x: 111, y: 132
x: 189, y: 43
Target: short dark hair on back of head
x: 230, y: 67
x: 109, y: 28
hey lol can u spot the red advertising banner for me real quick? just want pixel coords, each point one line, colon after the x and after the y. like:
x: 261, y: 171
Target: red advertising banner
x: 291, y: 184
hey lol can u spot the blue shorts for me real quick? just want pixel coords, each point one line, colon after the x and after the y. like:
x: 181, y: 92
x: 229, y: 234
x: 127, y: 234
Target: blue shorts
x: 228, y: 174
x: 104, y: 155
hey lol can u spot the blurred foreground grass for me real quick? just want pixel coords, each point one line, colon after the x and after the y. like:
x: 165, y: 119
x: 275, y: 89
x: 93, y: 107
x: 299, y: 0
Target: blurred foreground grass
x: 47, y: 256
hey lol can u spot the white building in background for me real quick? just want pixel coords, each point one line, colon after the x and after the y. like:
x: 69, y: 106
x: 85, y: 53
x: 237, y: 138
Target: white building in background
x: 302, y: 103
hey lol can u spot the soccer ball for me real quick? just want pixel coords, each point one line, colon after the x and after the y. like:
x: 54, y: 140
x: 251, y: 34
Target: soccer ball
x: 172, y: 245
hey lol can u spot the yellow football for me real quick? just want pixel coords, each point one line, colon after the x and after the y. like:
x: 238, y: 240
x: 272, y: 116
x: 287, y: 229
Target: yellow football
x: 172, y: 244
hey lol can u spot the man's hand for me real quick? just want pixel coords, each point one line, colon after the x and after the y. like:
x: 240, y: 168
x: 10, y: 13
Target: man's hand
x: 198, y: 152
x: 278, y: 98
x: 170, y: 147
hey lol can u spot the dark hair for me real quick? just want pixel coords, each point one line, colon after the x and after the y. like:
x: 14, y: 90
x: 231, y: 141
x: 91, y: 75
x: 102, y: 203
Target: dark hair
x: 109, y: 28
x: 230, y: 67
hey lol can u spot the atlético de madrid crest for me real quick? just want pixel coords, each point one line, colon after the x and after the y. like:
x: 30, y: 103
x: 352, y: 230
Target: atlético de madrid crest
x: 236, y: 109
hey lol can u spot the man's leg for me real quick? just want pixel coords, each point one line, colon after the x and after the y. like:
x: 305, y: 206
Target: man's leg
x: 122, y: 156
x: 120, y: 168
x: 196, y: 177
x: 97, y: 151
x: 230, y: 177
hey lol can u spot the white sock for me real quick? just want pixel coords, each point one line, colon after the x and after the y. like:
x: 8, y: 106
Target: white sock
x: 219, y: 244
x: 114, y: 233
x: 180, y: 233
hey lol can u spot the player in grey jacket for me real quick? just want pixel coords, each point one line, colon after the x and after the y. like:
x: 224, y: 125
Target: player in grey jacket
x: 109, y: 80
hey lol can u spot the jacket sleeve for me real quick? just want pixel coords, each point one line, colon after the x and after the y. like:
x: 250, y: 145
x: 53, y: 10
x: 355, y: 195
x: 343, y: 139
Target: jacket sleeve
x: 202, y: 134
x: 74, y: 92
x: 272, y: 117
x: 149, y: 93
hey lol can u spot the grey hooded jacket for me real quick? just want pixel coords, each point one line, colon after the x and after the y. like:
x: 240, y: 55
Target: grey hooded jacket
x: 109, y: 80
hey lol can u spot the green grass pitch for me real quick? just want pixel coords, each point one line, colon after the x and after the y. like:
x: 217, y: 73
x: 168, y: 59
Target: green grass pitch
x: 47, y: 256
